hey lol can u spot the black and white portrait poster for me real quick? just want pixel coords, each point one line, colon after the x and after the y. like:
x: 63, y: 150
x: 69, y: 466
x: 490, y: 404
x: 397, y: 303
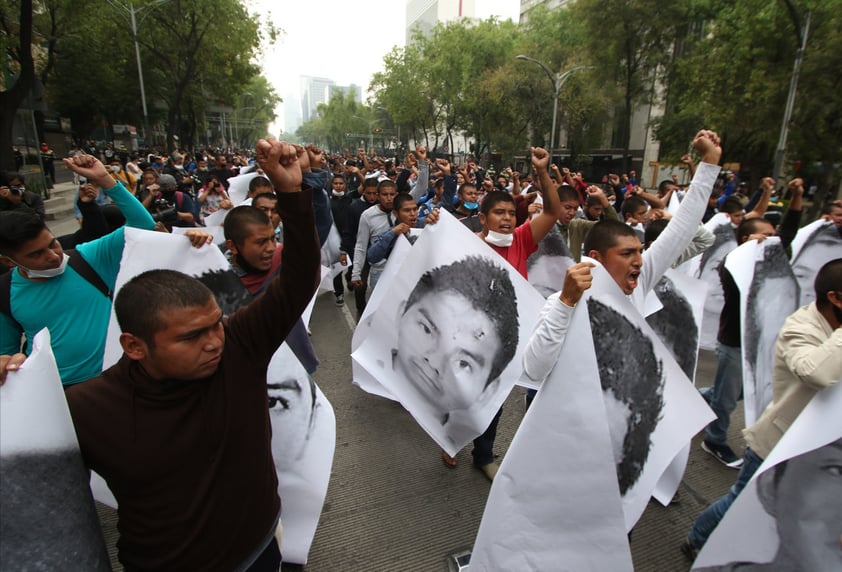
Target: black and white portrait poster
x: 303, y: 441
x: 48, y: 520
x: 362, y: 378
x: 303, y: 424
x: 555, y: 503
x: 814, y: 246
x: 768, y: 295
x: 678, y: 318
x: 707, y: 270
x: 444, y: 338
x: 652, y: 408
x: 548, y: 265
x: 789, y: 516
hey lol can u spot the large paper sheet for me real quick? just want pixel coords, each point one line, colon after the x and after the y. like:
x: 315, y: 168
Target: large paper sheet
x: 814, y: 246
x: 217, y: 232
x: 303, y: 441
x: 788, y: 517
x: 678, y: 322
x: 303, y: 425
x: 238, y: 187
x: 444, y: 338
x: 548, y: 266
x: 768, y: 295
x: 652, y: 408
x: 48, y: 520
x: 362, y: 378
x: 555, y: 503
x: 708, y: 272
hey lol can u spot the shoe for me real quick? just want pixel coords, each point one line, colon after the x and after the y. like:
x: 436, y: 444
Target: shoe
x: 723, y: 454
x: 340, y: 299
x: 489, y: 470
x: 451, y: 462
x: 690, y: 551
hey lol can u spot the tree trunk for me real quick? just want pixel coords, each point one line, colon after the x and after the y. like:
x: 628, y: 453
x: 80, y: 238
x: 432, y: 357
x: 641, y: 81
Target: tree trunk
x: 11, y: 99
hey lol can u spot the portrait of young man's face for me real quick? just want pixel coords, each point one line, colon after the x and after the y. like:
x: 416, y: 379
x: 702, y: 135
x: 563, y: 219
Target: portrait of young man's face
x: 267, y: 205
x: 291, y: 406
x: 801, y: 494
x: 445, y: 349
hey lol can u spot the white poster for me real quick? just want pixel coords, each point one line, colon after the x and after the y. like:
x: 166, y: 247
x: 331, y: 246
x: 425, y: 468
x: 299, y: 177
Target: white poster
x: 48, y: 520
x: 302, y: 444
x: 788, y: 517
x: 238, y: 187
x: 768, y: 295
x: 814, y: 246
x: 555, y: 503
x: 652, y: 408
x: 708, y: 272
x: 218, y: 232
x: 303, y: 440
x: 444, y: 338
x: 548, y: 265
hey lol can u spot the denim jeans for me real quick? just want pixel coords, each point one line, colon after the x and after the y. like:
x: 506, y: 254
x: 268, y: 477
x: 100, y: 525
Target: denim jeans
x: 712, y: 515
x: 483, y: 452
x: 727, y: 387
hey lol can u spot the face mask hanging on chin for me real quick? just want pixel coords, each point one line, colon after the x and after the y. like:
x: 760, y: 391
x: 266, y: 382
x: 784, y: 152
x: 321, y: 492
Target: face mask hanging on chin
x: 50, y: 272
x: 499, y: 239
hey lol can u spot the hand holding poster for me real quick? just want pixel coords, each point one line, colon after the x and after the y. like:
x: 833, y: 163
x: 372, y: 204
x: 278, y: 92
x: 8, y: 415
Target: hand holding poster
x: 47, y: 516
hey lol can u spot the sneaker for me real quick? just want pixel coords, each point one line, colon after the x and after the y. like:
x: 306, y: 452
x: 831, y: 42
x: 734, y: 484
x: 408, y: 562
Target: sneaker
x: 340, y: 299
x: 690, y: 551
x: 723, y: 454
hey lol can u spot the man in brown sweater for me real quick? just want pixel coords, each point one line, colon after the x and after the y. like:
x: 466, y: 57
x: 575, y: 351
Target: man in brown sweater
x: 179, y: 427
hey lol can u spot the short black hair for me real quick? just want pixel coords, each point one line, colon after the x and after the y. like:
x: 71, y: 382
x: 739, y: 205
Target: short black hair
x: 750, y: 226
x: 603, y: 235
x: 18, y: 226
x: 144, y: 300
x: 493, y: 198
x: 369, y: 182
x: 490, y: 291
x: 386, y: 183
x: 259, y: 182
x: 641, y: 390
x: 238, y: 220
x: 653, y: 231
x: 270, y: 196
x: 828, y: 279
x: 463, y: 186
x: 662, y: 186
x: 566, y: 193
x: 401, y: 199
x: 6, y: 177
x: 731, y: 205
x: 631, y: 205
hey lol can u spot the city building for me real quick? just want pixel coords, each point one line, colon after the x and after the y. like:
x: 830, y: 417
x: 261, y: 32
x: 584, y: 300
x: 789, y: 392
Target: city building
x: 314, y: 90
x: 425, y: 14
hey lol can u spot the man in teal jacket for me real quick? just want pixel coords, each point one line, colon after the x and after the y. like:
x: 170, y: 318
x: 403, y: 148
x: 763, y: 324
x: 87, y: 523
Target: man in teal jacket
x: 47, y: 292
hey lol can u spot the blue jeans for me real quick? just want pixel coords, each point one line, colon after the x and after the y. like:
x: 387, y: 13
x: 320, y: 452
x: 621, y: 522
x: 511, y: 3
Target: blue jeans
x: 727, y: 387
x: 709, y: 519
x: 483, y: 452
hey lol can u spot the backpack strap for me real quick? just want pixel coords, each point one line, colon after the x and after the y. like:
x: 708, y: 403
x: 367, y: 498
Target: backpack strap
x: 6, y: 296
x: 86, y: 271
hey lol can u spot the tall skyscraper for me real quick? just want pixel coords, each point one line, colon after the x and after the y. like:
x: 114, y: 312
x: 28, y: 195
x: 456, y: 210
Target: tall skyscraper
x: 425, y: 14
x: 314, y: 90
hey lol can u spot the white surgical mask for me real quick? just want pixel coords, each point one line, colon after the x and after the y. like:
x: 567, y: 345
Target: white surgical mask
x: 50, y: 272
x: 499, y: 239
x: 338, y: 195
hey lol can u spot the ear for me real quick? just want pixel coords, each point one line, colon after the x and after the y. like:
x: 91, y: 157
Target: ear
x: 482, y: 219
x: 7, y: 261
x: 134, y: 347
x: 766, y: 490
x: 595, y: 255
x: 232, y: 246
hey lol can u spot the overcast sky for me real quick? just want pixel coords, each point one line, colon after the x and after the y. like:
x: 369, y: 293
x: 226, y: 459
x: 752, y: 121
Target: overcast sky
x: 343, y: 40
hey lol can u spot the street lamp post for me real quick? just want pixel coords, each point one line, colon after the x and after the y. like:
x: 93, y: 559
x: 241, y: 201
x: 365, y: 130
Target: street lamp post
x: 558, y: 80
x: 132, y: 14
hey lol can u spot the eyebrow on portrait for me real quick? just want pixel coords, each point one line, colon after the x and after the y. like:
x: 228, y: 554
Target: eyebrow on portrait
x: 289, y: 384
x: 428, y: 317
x: 479, y: 358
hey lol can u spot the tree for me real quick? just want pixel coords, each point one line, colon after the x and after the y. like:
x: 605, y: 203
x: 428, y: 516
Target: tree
x: 18, y: 69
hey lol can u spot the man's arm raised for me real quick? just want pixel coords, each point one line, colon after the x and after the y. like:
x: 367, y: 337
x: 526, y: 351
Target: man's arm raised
x: 543, y: 223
